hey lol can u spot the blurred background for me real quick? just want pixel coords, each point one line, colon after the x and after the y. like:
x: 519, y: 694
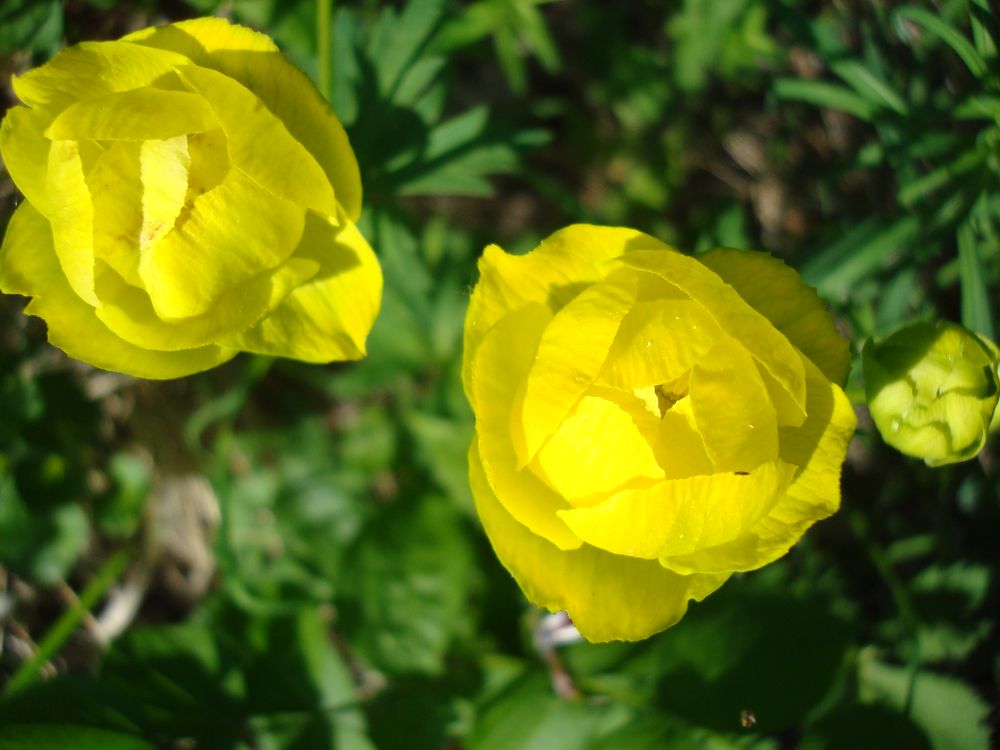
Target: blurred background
x: 280, y: 555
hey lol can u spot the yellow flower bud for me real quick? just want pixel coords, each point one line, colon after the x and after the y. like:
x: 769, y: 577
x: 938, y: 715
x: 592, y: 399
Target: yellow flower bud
x: 647, y: 423
x: 188, y: 195
x: 932, y: 390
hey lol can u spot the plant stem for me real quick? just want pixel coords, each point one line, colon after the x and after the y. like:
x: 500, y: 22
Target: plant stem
x: 900, y: 597
x: 68, y: 621
x: 324, y: 11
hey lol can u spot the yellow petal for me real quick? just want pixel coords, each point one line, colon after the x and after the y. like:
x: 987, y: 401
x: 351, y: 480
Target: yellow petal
x: 597, y: 449
x: 658, y: 342
x: 818, y: 449
x: 680, y: 516
x: 209, y: 162
x: 678, y: 446
x: 135, y: 115
x: 28, y: 265
x: 253, y: 60
x: 501, y: 364
x: 232, y: 233
x: 260, y: 144
x: 553, y: 273
x: 115, y: 188
x: 71, y: 214
x: 609, y: 597
x: 778, y: 293
x: 819, y: 446
x: 570, y: 356
x: 163, y: 169
x: 328, y: 317
x: 25, y: 150
x: 736, y: 317
x: 94, y: 69
x: 128, y: 312
x: 732, y: 409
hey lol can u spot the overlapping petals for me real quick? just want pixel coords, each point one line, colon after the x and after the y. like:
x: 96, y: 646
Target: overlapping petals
x: 648, y: 423
x: 188, y: 195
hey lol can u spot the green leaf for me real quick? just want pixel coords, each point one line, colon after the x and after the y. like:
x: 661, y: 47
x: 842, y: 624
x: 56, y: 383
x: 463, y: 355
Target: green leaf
x: 528, y: 716
x: 869, y: 86
x: 985, y: 32
x: 742, y: 650
x: 412, y: 574
x: 976, y: 313
x: 824, y: 94
x: 950, y: 712
x: 183, y: 681
x: 859, y: 253
x: 390, y: 90
x: 443, y: 447
x: 30, y: 26
x: 43, y: 543
x: 120, y: 512
x: 933, y: 24
x: 63, y: 736
x: 978, y: 107
x: 299, y: 691
x: 72, y: 699
x: 946, y: 175
x: 897, y: 299
x: 864, y: 728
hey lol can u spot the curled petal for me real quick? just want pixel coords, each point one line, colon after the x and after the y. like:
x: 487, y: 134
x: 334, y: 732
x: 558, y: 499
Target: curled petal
x: 260, y: 144
x: 609, y: 597
x: 502, y: 362
x: 570, y: 356
x: 136, y: 115
x: 253, y: 59
x: 94, y: 69
x: 28, y: 265
x: 732, y: 409
x: 778, y: 293
x: 552, y: 274
x: 248, y: 229
x: 328, y: 317
x: 680, y: 516
x: 737, y: 318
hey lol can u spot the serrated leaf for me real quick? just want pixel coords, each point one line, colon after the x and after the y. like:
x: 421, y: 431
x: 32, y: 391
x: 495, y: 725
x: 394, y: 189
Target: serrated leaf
x: 950, y: 712
x: 412, y: 573
x: 528, y: 716
x: 864, y: 728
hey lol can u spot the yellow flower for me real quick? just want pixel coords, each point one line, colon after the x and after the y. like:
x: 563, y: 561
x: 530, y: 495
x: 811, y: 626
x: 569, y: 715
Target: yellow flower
x: 647, y: 423
x: 188, y: 195
x: 932, y: 390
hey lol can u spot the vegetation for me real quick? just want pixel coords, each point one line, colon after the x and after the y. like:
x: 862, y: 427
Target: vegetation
x: 281, y: 555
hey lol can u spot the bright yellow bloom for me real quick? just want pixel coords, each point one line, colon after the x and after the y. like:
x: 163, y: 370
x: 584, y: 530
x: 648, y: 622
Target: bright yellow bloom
x: 648, y: 423
x: 932, y: 390
x: 188, y: 195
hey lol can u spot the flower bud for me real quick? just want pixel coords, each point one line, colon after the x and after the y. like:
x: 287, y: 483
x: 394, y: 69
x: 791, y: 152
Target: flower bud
x: 932, y: 390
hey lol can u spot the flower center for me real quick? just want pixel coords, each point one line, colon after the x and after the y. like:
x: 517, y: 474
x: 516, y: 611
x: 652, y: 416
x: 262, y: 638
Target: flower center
x: 668, y: 394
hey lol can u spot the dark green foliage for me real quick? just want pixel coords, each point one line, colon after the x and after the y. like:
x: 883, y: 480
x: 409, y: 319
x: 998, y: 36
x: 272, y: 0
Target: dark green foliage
x: 328, y: 585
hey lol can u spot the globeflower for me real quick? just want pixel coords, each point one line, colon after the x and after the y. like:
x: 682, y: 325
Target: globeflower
x: 932, y: 390
x: 647, y: 423
x: 188, y: 195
